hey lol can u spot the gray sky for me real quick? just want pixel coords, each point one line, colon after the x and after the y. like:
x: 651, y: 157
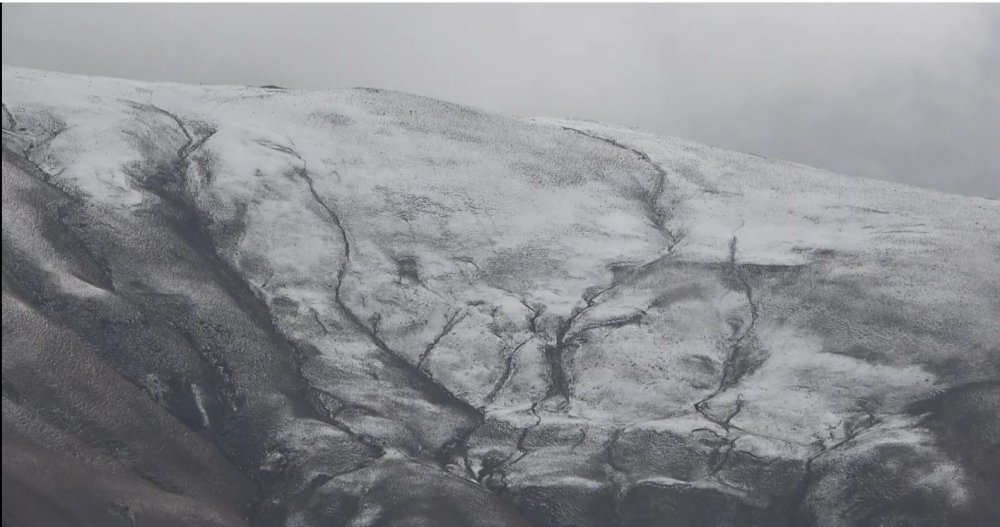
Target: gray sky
x: 908, y: 93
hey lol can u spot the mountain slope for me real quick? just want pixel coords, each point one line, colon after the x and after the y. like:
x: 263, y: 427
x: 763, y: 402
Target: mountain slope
x: 232, y: 305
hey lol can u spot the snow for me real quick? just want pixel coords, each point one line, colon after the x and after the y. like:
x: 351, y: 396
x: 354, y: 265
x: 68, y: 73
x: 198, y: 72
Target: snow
x: 866, y: 290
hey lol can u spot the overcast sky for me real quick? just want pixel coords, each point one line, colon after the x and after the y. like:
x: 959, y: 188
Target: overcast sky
x: 908, y: 93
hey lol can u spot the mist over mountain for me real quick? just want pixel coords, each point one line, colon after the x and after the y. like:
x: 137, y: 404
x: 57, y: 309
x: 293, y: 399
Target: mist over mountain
x: 229, y: 305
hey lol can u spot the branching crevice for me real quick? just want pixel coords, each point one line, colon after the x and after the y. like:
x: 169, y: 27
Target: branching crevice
x: 739, y: 361
x: 102, y: 276
x: 720, y: 457
x: 742, y: 276
x: 322, y: 326
x: 34, y: 142
x: 334, y: 407
x: 493, y: 472
x: 449, y: 325
x: 724, y: 421
x: 522, y: 438
x: 434, y: 391
x: 609, y: 451
x: 555, y: 352
x: 613, y: 323
x: 506, y: 371
x: 537, y: 310
x: 650, y: 198
x: 223, y: 410
x: 168, y: 184
x: 558, y: 346
x: 619, y: 476
x: 851, y: 428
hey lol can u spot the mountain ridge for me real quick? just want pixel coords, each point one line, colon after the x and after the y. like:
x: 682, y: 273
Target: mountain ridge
x: 540, y: 118
x: 370, y: 308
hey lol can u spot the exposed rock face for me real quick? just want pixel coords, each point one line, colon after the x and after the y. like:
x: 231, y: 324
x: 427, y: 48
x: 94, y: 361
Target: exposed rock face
x: 246, y: 306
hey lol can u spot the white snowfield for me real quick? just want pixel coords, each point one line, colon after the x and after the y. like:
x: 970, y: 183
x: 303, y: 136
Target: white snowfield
x: 366, y: 307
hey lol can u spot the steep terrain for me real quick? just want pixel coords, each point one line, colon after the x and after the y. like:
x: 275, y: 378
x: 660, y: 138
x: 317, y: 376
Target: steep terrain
x: 256, y: 306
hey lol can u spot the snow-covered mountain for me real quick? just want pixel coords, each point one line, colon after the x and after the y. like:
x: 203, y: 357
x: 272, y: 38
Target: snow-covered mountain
x: 254, y: 306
